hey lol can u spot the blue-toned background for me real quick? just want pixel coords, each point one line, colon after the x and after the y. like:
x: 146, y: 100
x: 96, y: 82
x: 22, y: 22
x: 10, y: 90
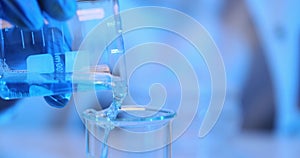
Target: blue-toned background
x: 259, y: 42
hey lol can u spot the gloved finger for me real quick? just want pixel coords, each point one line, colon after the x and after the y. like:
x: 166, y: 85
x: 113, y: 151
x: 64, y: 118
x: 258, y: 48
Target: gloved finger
x: 23, y: 13
x: 59, y: 9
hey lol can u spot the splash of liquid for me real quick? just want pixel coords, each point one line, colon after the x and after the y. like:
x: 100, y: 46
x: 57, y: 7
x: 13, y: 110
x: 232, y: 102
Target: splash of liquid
x: 119, y: 89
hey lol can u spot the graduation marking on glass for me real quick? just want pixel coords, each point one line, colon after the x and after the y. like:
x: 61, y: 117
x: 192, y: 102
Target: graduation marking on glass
x: 44, y: 65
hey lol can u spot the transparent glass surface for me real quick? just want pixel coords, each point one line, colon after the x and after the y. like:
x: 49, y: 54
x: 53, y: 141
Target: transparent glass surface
x: 41, y: 62
x: 131, y: 115
x: 137, y: 131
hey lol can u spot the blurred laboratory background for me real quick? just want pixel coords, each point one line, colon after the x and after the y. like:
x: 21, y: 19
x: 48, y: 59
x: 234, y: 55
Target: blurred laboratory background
x: 259, y: 42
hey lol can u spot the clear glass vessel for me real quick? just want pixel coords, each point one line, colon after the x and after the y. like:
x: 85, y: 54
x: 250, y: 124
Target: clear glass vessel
x: 137, y: 131
x: 41, y: 63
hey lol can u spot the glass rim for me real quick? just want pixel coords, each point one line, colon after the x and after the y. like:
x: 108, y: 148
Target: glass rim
x: 157, y: 116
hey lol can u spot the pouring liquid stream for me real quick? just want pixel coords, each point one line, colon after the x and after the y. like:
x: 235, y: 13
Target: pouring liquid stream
x: 58, y: 87
x: 119, y: 85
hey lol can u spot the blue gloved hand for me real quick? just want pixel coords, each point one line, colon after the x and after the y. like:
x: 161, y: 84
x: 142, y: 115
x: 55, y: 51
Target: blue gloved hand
x: 29, y: 13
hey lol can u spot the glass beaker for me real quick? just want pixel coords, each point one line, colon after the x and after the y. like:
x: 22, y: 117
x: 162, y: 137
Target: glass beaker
x: 137, y: 131
x: 41, y: 63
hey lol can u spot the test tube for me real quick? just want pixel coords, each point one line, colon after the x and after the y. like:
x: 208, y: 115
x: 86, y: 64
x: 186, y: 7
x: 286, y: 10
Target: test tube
x: 106, y: 29
x: 93, y: 12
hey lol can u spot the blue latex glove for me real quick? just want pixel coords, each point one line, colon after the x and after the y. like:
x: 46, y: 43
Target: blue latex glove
x: 29, y: 13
